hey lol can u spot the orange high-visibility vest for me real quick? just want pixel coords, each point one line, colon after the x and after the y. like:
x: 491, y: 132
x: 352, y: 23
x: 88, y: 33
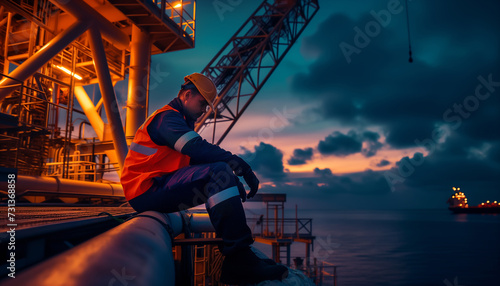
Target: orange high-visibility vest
x: 146, y: 160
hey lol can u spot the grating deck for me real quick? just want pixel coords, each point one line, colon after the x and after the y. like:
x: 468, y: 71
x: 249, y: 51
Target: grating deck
x: 31, y: 216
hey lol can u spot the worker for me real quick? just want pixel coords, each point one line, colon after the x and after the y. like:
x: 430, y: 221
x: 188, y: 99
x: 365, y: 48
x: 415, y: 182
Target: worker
x: 170, y: 168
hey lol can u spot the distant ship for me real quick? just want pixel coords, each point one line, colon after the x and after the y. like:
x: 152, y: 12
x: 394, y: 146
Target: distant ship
x: 458, y: 204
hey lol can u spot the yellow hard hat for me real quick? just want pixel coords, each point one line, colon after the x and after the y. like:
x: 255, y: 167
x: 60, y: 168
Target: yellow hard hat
x: 204, y: 85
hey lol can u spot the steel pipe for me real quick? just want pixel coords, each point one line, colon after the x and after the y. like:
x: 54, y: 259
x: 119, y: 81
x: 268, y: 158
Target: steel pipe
x: 137, y: 252
x: 138, y: 81
x: 56, y: 185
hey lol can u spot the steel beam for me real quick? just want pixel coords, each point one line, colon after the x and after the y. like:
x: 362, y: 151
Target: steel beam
x: 108, y: 94
x: 83, y: 12
x: 90, y: 111
x: 95, y: 120
x: 47, y: 52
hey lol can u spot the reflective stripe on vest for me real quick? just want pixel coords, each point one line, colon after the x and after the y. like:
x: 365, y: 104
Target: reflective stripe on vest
x: 142, y: 149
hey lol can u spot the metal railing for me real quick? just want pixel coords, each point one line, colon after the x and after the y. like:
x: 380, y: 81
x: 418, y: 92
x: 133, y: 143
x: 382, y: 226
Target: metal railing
x: 282, y: 227
x: 178, y: 11
x: 80, y: 167
x: 320, y: 272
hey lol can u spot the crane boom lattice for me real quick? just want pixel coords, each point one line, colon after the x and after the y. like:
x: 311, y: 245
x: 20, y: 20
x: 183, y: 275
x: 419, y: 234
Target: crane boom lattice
x: 248, y: 59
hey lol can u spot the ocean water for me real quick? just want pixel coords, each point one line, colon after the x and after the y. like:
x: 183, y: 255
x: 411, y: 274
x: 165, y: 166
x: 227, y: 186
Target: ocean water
x: 406, y: 247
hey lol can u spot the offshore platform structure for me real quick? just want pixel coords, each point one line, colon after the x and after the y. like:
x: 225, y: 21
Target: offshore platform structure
x: 62, y: 128
x: 54, y: 49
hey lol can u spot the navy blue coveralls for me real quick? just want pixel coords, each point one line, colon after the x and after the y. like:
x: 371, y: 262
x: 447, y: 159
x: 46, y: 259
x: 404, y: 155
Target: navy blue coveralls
x: 208, y: 179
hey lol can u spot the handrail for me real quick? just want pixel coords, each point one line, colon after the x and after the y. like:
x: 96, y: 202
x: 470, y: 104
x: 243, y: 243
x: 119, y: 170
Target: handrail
x: 179, y: 15
x: 288, y: 224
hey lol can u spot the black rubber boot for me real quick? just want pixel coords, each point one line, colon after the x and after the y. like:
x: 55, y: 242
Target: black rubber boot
x: 229, y: 221
x: 244, y: 267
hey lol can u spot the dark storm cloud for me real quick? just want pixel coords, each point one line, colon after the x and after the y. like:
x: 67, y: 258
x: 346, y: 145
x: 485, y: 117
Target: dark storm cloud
x: 451, y: 50
x: 448, y: 164
x: 300, y: 156
x: 266, y: 160
x: 371, y: 144
x: 363, y: 183
x: 383, y: 163
x: 403, y: 134
x: 339, y: 144
x: 453, y: 85
x: 324, y: 189
x: 342, y: 109
x: 323, y: 172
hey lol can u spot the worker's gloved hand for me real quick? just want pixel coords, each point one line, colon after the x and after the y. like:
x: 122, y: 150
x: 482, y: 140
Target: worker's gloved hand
x: 252, y: 182
x: 241, y: 168
x: 241, y: 189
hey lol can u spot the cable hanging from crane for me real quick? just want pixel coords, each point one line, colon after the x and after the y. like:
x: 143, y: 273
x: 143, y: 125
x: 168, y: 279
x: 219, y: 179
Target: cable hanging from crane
x: 408, y: 27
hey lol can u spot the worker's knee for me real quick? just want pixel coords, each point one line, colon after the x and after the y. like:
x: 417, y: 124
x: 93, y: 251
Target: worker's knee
x: 220, y: 167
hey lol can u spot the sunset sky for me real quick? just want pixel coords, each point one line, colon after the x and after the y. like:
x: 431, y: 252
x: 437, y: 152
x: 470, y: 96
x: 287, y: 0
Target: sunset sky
x: 369, y: 129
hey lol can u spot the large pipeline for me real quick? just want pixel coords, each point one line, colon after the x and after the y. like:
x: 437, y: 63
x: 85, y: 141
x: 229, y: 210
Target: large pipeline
x: 54, y: 185
x: 137, y: 252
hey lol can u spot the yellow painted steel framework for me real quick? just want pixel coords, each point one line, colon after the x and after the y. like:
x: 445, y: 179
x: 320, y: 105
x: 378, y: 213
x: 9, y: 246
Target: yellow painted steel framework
x: 50, y: 50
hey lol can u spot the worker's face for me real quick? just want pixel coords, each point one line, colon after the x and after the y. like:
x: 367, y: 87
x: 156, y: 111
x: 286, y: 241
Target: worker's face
x: 194, y: 104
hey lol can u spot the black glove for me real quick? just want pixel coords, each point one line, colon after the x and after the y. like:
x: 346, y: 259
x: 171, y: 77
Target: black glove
x: 252, y: 182
x: 241, y: 189
x: 241, y: 168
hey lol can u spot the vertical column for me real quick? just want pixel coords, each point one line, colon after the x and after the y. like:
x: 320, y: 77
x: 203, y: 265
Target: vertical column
x: 288, y: 254
x: 274, y: 252
x: 108, y: 95
x: 276, y: 231
x: 6, y: 43
x: 138, y: 82
x: 307, y: 255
